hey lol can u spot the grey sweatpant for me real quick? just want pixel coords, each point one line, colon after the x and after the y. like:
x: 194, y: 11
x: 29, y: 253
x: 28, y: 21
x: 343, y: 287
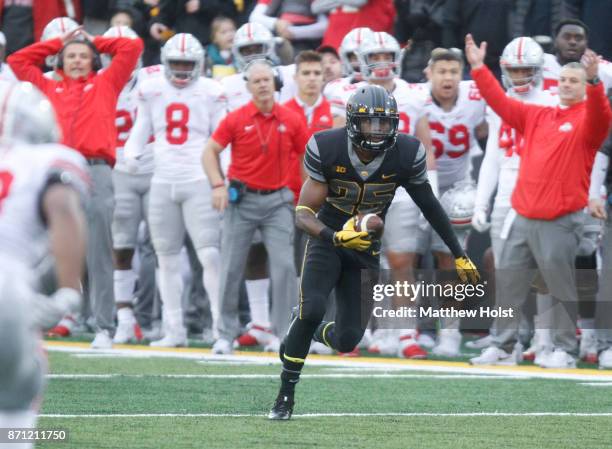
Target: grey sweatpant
x: 273, y: 216
x: 603, y: 311
x: 99, y: 286
x: 551, y: 247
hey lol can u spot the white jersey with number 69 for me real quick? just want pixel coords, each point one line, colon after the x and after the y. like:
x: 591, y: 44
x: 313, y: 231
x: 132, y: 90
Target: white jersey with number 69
x: 453, y: 132
x: 181, y: 120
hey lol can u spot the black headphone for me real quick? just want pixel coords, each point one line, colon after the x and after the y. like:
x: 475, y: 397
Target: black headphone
x: 96, y: 63
x: 278, y: 79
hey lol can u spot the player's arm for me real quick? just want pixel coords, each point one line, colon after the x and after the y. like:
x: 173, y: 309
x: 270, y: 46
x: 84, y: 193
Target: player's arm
x: 62, y: 211
x: 423, y: 133
x: 313, y: 195
x: 487, y: 179
x: 211, y: 162
x: 135, y: 146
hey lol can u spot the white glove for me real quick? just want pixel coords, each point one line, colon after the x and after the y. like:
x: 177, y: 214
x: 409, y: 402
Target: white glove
x: 479, y: 221
x: 132, y: 164
x: 49, y: 310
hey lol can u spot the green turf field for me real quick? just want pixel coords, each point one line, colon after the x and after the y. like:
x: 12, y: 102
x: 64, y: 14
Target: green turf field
x: 120, y: 401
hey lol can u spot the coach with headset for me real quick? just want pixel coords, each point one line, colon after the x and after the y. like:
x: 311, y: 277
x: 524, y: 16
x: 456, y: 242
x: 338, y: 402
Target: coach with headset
x: 85, y: 101
x: 263, y: 135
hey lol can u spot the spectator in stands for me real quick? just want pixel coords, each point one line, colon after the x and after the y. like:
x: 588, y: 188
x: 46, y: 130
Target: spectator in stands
x: 85, y: 102
x: 23, y: 21
x: 292, y: 20
x: 550, y: 194
x: 190, y: 16
x: 597, y: 15
x: 346, y: 15
x: 263, y: 135
x: 219, y: 60
x: 486, y: 20
x: 332, y: 66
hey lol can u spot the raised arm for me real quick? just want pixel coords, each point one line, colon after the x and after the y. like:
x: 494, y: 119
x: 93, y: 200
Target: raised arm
x: 511, y: 111
x: 125, y: 53
x: 27, y: 62
x: 598, y: 113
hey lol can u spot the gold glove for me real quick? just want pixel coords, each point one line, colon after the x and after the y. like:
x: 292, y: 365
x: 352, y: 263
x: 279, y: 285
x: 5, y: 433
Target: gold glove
x: 466, y: 270
x: 351, y: 239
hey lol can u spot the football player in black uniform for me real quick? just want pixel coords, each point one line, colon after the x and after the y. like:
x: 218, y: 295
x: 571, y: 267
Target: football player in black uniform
x: 352, y: 170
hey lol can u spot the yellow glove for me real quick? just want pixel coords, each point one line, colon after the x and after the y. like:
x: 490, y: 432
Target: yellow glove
x: 351, y: 239
x: 466, y: 270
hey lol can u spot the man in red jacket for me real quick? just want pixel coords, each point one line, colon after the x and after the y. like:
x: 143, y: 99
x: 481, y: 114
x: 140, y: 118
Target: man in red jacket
x: 550, y: 193
x: 85, y: 101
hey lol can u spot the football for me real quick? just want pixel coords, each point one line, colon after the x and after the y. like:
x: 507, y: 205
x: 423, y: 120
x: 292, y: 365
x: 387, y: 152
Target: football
x: 371, y: 223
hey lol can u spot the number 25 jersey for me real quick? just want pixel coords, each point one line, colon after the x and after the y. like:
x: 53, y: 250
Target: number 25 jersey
x: 355, y: 187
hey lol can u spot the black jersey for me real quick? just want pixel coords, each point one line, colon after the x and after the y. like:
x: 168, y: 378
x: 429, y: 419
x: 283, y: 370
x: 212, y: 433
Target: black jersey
x: 355, y: 187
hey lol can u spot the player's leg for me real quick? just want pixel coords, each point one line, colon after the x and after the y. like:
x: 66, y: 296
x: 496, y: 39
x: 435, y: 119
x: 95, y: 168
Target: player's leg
x: 168, y: 233
x: 322, y: 269
x: 353, y: 311
x: 127, y: 216
x: 22, y: 363
x: 203, y: 225
x: 403, y: 242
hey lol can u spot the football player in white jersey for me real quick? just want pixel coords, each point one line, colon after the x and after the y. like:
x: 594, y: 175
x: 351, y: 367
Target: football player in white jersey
x: 339, y: 91
x: 571, y: 40
x: 57, y: 27
x: 521, y: 64
x: 456, y: 115
x: 131, y: 197
x: 253, y: 41
x: 42, y: 187
x: 181, y: 109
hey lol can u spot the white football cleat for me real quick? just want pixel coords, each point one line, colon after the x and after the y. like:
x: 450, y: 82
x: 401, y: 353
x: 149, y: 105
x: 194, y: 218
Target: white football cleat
x: 496, y: 356
x: 102, y: 340
x: 126, y: 332
x: 605, y: 359
x: 480, y: 343
x: 320, y: 348
x: 557, y: 359
x: 273, y: 345
x: 222, y: 346
x: 426, y: 341
x: 172, y: 339
x: 449, y: 344
x: 408, y: 347
x: 256, y: 335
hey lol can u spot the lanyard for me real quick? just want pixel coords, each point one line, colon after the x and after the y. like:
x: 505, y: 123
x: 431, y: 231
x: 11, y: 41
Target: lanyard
x: 262, y: 142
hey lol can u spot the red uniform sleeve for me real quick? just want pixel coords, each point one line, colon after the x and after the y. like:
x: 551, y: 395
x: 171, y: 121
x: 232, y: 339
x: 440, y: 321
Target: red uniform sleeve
x: 26, y: 62
x: 301, y: 136
x: 513, y: 112
x: 125, y: 53
x: 598, y: 116
x: 223, y: 135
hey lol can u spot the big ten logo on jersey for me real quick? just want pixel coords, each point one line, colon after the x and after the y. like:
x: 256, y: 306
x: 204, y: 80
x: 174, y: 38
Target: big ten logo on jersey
x: 510, y: 140
x: 353, y: 198
x: 177, y: 118
x: 454, y: 142
x: 124, y: 123
x: 474, y: 93
x: 6, y: 180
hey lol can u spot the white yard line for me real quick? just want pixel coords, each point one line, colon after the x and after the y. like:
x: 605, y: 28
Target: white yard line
x: 596, y: 384
x: 360, y: 363
x: 276, y: 376
x: 322, y: 415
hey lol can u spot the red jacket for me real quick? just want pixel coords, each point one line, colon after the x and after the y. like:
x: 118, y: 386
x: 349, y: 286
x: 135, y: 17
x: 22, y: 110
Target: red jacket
x: 321, y: 119
x: 44, y: 11
x: 559, y: 147
x: 85, y: 107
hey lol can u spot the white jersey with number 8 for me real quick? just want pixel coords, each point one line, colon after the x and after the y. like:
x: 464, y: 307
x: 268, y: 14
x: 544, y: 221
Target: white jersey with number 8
x: 181, y: 120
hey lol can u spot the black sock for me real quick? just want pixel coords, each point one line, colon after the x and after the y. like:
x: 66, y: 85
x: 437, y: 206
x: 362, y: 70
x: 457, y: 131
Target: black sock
x: 297, y: 344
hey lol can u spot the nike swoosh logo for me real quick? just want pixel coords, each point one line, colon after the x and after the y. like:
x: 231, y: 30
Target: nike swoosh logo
x: 344, y: 240
x: 389, y: 176
x: 375, y: 253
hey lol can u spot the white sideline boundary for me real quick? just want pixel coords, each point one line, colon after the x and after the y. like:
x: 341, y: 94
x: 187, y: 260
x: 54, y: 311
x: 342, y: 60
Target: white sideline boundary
x: 361, y: 363
x: 325, y: 415
x: 276, y: 376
